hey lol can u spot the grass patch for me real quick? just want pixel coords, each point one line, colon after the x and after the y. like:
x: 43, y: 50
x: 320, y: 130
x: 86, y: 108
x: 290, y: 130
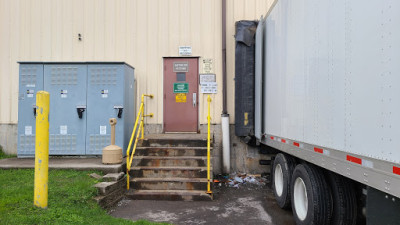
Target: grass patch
x: 4, y: 155
x: 70, y: 199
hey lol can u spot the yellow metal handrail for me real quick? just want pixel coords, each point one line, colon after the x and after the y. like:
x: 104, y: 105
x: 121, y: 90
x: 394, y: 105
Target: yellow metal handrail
x: 140, y: 117
x: 208, y: 147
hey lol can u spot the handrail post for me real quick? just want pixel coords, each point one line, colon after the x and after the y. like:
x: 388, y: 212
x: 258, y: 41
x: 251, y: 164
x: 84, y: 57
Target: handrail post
x: 128, y: 166
x: 140, y: 133
x: 208, y: 147
x: 142, y: 122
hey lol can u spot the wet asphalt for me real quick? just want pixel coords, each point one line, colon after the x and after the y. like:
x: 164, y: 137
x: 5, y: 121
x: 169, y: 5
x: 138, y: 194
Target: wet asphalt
x: 247, y: 204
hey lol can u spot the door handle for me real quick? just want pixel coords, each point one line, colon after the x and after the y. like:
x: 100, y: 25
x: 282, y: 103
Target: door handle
x: 34, y: 110
x: 80, y: 109
x: 194, y: 99
x: 120, y: 109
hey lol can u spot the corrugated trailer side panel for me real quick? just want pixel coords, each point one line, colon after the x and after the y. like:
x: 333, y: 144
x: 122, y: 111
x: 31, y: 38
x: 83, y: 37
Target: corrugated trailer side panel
x: 331, y: 84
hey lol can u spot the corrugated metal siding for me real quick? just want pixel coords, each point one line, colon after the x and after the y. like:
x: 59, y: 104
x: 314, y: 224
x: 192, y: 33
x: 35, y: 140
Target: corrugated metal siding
x: 135, y: 31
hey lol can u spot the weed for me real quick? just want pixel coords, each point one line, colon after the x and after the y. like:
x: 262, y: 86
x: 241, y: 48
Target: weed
x: 3, y: 155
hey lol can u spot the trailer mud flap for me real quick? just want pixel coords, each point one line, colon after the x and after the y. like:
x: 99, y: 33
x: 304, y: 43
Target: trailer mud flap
x: 382, y: 208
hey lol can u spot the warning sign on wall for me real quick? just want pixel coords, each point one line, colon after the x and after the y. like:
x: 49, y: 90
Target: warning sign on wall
x: 181, y: 97
x: 209, y: 87
x: 208, y: 65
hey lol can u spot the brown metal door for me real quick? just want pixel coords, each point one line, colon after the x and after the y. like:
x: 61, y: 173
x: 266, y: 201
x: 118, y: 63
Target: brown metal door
x: 181, y: 94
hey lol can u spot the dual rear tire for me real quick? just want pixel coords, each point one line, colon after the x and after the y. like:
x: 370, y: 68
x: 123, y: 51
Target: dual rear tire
x: 315, y: 195
x: 283, y: 167
x: 311, y: 198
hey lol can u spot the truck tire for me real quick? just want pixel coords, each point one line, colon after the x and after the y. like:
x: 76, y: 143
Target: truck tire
x: 344, y: 200
x: 283, y: 167
x: 311, y: 196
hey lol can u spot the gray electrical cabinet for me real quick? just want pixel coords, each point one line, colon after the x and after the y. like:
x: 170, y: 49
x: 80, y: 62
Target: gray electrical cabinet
x: 83, y: 97
x: 30, y: 81
x: 110, y: 93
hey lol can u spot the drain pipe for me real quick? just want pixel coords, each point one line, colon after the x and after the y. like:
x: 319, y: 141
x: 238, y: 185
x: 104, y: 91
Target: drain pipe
x: 226, y: 152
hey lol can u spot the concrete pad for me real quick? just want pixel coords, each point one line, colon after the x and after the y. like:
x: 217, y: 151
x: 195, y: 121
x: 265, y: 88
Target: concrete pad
x: 63, y: 163
x: 248, y: 204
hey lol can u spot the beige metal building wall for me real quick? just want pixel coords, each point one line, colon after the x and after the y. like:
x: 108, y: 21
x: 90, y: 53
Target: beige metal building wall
x: 139, y: 32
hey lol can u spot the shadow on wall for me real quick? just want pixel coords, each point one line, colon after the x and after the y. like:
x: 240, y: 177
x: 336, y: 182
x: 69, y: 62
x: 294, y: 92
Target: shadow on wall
x: 246, y: 158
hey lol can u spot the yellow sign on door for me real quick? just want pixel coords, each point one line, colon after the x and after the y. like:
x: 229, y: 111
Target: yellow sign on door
x: 180, y: 97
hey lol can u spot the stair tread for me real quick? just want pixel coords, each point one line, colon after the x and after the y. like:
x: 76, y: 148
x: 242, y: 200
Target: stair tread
x: 169, y: 168
x: 174, y: 136
x: 169, y: 157
x: 171, y: 147
x: 167, y: 192
x: 168, y: 179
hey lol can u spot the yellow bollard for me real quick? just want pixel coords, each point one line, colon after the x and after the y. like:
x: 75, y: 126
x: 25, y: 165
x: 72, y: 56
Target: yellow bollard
x: 208, y: 145
x: 42, y: 150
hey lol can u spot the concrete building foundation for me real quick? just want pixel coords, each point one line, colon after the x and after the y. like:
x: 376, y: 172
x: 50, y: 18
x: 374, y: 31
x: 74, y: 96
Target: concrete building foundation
x: 9, y: 138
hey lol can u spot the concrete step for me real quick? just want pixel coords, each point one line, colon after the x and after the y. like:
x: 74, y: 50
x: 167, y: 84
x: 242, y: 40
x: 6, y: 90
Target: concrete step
x: 169, y: 183
x: 167, y: 142
x: 105, y: 188
x: 188, y: 161
x: 169, y: 195
x: 171, y: 151
x: 168, y: 171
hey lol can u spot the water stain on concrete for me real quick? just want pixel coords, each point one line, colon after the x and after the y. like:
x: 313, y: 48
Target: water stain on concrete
x: 248, y: 204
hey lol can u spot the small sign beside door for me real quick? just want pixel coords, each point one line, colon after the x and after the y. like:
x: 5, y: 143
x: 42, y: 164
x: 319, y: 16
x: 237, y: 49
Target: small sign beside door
x: 209, y: 88
x: 208, y: 84
x: 181, y: 88
x: 208, y: 65
x: 206, y: 78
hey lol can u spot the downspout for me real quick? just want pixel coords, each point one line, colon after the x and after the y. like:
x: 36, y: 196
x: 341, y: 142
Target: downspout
x: 226, y: 153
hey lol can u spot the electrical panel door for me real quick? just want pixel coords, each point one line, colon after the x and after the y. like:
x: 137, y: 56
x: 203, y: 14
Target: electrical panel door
x: 83, y: 97
x: 105, y: 97
x: 66, y: 84
x: 30, y: 81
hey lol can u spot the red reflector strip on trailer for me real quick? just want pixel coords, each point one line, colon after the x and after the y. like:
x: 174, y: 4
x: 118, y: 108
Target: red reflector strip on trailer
x: 319, y: 150
x: 296, y: 144
x: 353, y: 159
x: 272, y: 138
x: 396, y: 170
x: 283, y: 140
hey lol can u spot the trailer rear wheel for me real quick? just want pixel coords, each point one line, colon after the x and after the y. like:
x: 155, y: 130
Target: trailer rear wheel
x: 344, y: 200
x: 281, y: 175
x: 311, y: 197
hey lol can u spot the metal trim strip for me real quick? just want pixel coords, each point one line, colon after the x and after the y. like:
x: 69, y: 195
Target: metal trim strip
x: 376, y: 173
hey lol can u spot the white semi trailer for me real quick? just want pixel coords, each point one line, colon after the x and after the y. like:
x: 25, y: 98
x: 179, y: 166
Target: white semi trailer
x: 327, y: 97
